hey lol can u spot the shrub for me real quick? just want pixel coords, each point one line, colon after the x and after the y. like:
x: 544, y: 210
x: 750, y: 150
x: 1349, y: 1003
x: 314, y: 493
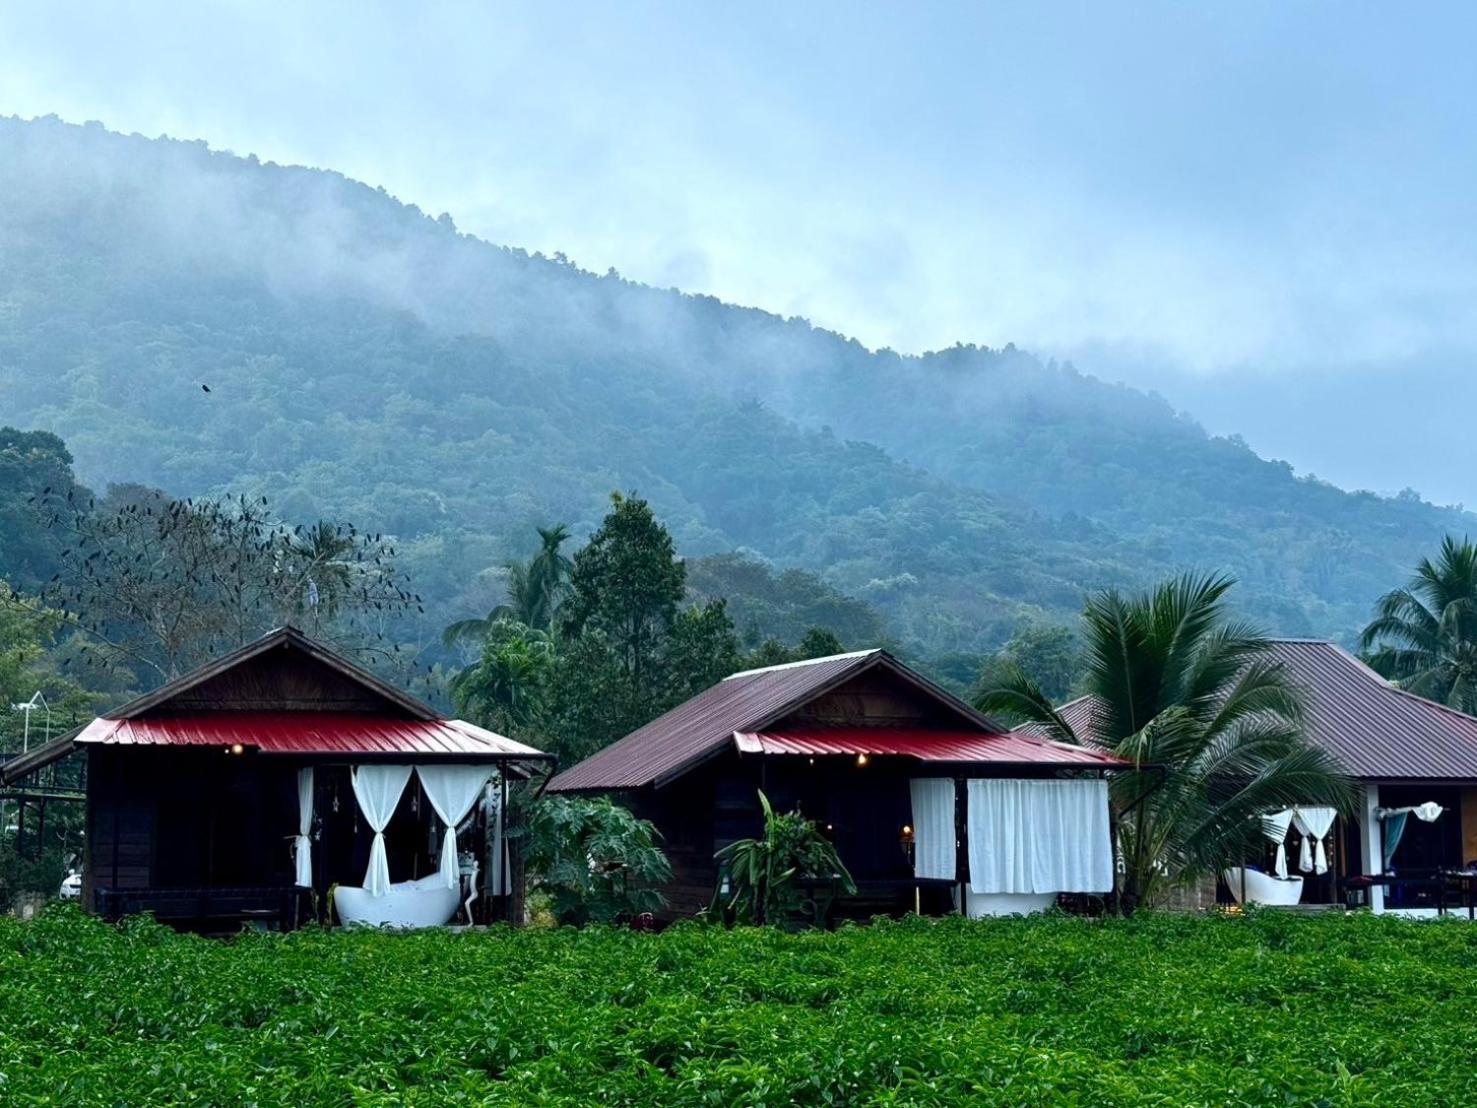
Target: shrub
x: 597, y: 861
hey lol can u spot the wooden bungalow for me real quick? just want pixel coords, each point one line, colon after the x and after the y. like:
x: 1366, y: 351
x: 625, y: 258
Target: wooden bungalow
x: 928, y: 803
x: 1411, y: 846
x: 246, y: 790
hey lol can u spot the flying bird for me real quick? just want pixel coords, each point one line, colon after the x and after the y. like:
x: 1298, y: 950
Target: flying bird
x: 206, y: 388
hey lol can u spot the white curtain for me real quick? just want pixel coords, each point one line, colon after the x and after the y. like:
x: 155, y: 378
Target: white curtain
x: 935, y: 851
x: 1039, y: 836
x: 378, y: 790
x: 452, y: 790
x: 1274, y: 827
x: 1313, y: 825
x: 303, y: 852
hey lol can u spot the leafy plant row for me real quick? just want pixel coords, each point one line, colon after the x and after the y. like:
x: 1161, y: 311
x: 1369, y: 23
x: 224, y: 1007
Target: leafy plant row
x: 1157, y: 1009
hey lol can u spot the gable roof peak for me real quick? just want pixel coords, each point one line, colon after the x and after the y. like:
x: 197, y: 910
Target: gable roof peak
x: 285, y: 636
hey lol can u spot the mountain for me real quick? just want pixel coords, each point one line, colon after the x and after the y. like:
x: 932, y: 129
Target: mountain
x: 369, y: 362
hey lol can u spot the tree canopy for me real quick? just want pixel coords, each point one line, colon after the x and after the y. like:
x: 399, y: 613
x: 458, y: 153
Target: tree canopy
x: 1424, y: 635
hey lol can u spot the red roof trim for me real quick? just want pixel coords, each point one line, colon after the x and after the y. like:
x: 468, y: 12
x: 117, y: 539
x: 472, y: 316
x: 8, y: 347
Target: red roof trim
x: 316, y: 733
x: 1010, y: 748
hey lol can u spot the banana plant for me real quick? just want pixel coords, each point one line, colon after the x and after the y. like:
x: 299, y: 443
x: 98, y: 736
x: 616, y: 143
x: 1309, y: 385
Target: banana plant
x: 758, y: 879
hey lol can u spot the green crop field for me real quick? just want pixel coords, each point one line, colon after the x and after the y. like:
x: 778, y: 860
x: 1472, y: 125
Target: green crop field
x: 1160, y: 1009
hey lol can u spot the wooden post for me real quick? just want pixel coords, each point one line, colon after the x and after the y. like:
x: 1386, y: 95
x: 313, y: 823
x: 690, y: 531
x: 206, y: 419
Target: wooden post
x: 516, y: 873
x: 961, y: 842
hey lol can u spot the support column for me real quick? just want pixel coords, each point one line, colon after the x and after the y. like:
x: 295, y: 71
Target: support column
x: 1374, y: 846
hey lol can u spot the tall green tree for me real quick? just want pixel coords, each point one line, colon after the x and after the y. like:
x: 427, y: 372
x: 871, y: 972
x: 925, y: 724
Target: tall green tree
x: 34, y: 468
x: 1425, y: 634
x: 28, y: 665
x: 535, y: 588
x: 626, y: 583
x: 701, y: 650
x: 1195, y: 700
x: 1048, y: 652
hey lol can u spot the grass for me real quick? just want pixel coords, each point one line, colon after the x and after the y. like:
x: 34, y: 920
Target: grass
x: 1160, y: 1009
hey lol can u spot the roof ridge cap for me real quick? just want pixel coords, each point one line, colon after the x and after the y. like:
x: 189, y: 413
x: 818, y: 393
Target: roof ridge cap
x: 1426, y: 700
x: 804, y: 662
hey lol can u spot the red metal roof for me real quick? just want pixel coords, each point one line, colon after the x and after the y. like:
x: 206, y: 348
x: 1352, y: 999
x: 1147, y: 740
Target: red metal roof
x: 928, y: 746
x: 703, y: 724
x: 320, y: 733
x: 668, y: 746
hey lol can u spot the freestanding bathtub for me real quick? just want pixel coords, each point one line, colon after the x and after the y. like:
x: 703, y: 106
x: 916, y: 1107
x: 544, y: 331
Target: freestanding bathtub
x: 1264, y: 888
x: 979, y: 905
x: 424, y: 903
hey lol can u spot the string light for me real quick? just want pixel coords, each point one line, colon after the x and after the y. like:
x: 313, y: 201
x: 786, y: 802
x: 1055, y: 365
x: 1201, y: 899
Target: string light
x: 237, y: 748
x: 862, y: 759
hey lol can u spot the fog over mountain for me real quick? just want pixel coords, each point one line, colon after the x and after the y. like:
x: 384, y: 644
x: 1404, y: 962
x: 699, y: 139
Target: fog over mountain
x: 370, y: 362
x: 1247, y: 209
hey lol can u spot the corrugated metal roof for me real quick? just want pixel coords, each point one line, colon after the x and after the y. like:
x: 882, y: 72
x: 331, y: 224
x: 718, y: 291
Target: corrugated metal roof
x: 1376, y: 731
x: 318, y: 733
x: 1012, y: 748
x: 704, y: 725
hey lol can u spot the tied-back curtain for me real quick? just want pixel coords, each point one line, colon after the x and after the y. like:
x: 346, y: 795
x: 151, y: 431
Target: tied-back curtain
x: 1039, y: 836
x: 1394, y: 820
x: 1274, y: 827
x: 1314, y: 824
x: 303, y: 849
x: 1394, y: 831
x: 935, y: 853
x: 452, y: 790
x: 378, y: 790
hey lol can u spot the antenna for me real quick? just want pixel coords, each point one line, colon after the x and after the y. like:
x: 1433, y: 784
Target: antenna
x: 38, y: 700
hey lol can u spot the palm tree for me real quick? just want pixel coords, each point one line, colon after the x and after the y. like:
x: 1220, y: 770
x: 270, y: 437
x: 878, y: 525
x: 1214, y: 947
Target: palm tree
x: 535, y: 590
x: 505, y: 687
x: 1212, y: 722
x: 1425, y: 635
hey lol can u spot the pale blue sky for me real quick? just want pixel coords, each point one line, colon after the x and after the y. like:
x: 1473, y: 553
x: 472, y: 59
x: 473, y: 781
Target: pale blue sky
x: 1192, y: 196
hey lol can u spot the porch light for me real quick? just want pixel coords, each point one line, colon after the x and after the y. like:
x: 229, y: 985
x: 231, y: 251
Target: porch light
x: 862, y: 759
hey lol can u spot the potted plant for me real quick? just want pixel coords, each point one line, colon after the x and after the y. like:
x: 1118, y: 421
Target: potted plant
x: 776, y: 877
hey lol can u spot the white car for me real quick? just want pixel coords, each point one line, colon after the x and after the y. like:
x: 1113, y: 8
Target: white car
x: 71, y: 887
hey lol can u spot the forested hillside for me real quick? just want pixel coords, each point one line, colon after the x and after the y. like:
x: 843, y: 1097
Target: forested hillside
x: 364, y: 361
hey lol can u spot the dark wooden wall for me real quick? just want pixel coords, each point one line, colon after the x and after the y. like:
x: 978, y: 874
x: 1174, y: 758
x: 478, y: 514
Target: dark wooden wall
x: 278, y: 681
x: 182, y: 818
x: 875, y: 699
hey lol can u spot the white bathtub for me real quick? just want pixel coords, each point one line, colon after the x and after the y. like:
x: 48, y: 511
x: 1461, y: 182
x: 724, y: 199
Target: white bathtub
x: 1006, y: 904
x: 424, y: 903
x: 1264, y: 888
